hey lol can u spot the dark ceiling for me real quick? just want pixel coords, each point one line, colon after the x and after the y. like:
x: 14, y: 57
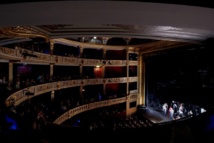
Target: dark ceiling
x: 127, y: 22
x: 206, y: 3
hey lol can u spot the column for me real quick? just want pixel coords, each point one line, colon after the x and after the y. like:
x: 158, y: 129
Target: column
x: 10, y: 73
x: 127, y: 72
x: 81, y: 94
x: 128, y: 111
x: 104, y: 53
x: 81, y: 86
x: 52, y: 96
x: 51, y: 47
x: 104, y: 59
x: 51, y: 70
x: 81, y: 51
x: 80, y: 56
x: 141, y: 81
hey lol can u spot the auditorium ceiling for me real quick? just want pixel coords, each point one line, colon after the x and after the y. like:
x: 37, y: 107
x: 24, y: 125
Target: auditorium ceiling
x: 103, y: 22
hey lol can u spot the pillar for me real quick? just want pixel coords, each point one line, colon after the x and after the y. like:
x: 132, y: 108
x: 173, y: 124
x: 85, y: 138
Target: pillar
x: 80, y: 73
x: 103, y: 74
x: 52, y: 96
x: 51, y: 70
x: 127, y: 72
x: 51, y: 78
x: 141, y: 81
x: 10, y: 73
x: 51, y: 47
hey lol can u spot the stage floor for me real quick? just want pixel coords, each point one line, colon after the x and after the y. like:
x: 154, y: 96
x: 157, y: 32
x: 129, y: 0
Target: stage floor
x: 155, y: 116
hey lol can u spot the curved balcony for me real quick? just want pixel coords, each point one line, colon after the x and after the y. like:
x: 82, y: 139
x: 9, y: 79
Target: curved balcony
x: 77, y: 110
x: 24, y: 55
x: 32, y: 91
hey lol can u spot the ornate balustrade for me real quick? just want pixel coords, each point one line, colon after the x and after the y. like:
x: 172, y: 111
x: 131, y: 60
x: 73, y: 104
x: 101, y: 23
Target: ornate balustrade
x: 133, y: 79
x: 68, y: 83
x: 133, y: 91
x: 32, y: 91
x: 116, y: 62
x: 116, y: 80
x: 29, y: 56
x: 9, y: 53
x: 77, y: 110
x: 93, y: 81
x: 133, y: 62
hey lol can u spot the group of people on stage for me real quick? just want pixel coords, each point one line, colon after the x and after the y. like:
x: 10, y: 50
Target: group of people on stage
x: 177, y: 110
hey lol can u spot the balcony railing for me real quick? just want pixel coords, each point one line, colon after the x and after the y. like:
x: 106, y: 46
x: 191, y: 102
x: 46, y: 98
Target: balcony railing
x: 32, y: 91
x: 37, y: 57
x: 77, y: 110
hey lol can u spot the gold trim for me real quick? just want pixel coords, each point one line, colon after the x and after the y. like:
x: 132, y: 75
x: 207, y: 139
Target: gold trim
x: 20, y: 31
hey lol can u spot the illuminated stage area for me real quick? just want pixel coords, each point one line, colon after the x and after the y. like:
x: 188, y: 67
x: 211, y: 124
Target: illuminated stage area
x: 155, y: 116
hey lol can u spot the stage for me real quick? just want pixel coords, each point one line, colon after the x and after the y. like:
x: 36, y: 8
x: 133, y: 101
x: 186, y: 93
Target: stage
x: 154, y: 116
